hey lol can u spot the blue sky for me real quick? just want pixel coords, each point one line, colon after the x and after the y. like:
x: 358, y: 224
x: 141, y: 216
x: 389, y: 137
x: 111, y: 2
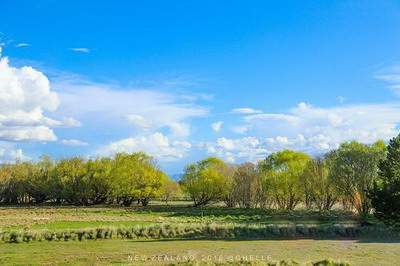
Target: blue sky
x: 183, y: 80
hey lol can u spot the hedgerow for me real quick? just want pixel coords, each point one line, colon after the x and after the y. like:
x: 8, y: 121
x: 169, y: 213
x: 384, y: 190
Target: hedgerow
x: 200, y: 231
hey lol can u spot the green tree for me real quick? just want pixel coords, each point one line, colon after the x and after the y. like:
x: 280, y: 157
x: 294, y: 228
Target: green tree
x: 354, y: 169
x: 385, y: 195
x: 206, y: 181
x: 169, y: 190
x: 13, y: 182
x: 135, y: 178
x: 282, y: 171
x: 38, y: 184
x: 319, y: 189
x: 98, y: 180
x: 247, y: 185
x: 71, y: 178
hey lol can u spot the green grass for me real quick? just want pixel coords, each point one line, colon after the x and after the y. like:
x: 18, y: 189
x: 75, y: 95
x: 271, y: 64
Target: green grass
x: 125, y: 251
x: 51, y: 217
x: 214, y: 223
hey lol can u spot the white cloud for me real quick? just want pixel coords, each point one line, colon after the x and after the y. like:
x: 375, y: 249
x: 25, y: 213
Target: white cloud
x: 307, y: 128
x: 322, y: 129
x: 391, y: 76
x: 179, y: 129
x: 147, y: 110
x: 139, y: 121
x: 157, y: 145
x: 74, y: 142
x: 216, y: 126
x: 245, y: 110
x: 22, y: 45
x: 240, y: 129
x: 10, y: 155
x: 80, y: 50
x: 234, y: 150
x: 25, y: 96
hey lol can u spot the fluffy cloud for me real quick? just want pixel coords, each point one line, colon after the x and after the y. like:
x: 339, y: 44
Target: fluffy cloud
x: 157, y: 145
x: 234, y: 150
x: 216, y: 126
x: 245, y: 110
x: 24, y: 97
x: 320, y: 129
x: 74, y: 142
x: 311, y: 129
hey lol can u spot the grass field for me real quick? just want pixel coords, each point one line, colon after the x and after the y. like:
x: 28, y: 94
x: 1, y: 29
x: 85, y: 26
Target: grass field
x: 81, y: 217
x: 357, y: 251
x: 127, y: 252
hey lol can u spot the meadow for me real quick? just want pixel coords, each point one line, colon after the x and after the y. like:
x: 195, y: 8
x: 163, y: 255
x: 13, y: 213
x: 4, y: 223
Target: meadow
x: 177, y: 233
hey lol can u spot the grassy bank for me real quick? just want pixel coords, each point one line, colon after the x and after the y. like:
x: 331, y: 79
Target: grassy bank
x: 202, y: 231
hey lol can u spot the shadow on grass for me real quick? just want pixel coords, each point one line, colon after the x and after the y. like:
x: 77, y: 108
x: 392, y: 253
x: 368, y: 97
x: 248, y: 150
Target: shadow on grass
x: 367, y: 240
x: 251, y: 215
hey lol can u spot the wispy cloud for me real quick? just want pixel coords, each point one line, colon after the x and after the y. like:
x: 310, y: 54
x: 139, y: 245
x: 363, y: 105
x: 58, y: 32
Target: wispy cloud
x: 245, y: 110
x: 391, y: 76
x: 83, y: 50
x: 22, y: 45
x: 74, y: 142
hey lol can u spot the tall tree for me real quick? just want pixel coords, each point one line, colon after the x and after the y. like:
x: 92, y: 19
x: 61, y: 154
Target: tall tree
x: 135, y: 177
x: 319, y: 189
x: 385, y: 194
x: 247, y: 185
x: 205, y: 181
x: 354, y: 168
x: 282, y: 172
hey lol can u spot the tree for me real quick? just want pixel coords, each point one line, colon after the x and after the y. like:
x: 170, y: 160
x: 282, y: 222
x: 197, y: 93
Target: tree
x: 38, y: 185
x: 13, y: 182
x: 319, y: 189
x: 135, y: 177
x: 354, y: 168
x: 98, y: 180
x: 205, y: 181
x: 282, y: 171
x: 169, y: 190
x: 247, y: 185
x: 385, y: 195
x: 71, y: 178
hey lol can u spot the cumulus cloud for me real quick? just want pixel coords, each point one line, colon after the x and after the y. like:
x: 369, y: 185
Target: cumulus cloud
x: 157, y: 145
x: 25, y: 95
x: 216, y: 126
x: 80, y: 50
x: 234, y: 150
x: 322, y: 129
x: 245, y: 110
x: 74, y: 142
x: 307, y: 128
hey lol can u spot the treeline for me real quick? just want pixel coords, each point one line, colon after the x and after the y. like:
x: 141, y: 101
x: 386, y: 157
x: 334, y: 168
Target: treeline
x: 123, y: 179
x: 355, y: 176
